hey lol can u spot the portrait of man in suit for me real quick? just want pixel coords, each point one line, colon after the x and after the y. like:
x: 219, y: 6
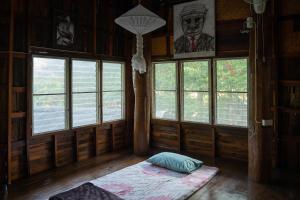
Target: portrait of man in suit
x: 193, y: 40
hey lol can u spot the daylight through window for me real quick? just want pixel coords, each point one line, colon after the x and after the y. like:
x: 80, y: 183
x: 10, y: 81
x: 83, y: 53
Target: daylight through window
x: 70, y: 94
x: 196, y: 91
x: 165, y: 89
x: 212, y: 91
x: 49, y: 94
x: 84, y: 93
x: 231, y: 92
x: 112, y: 91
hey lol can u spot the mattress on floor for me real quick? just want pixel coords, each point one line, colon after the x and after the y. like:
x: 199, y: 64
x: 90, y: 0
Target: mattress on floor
x: 149, y: 182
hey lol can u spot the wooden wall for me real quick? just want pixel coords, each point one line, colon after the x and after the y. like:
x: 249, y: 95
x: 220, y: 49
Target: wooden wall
x: 288, y: 114
x: 27, y: 28
x: 193, y: 138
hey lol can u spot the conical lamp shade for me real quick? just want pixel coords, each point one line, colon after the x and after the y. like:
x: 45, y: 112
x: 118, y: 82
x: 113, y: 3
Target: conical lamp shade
x: 140, y: 20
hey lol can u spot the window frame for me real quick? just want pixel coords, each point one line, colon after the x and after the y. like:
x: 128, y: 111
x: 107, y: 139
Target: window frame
x: 216, y: 91
x: 210, y: 117
x: 212, y: 90
x: 98, y: 92
x: 69, y: 94
x: 66, y: 93
x: 177, y: 90
x: 123, y: 96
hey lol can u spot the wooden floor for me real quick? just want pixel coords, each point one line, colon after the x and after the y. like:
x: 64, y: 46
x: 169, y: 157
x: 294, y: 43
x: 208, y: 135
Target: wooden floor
x: 230, y: 184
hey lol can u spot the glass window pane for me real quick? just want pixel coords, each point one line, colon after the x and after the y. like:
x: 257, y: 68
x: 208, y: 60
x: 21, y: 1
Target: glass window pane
x: 165, y: 76
x: 165, y: 104
x: 112, y: 106
x: 84, y: 109
x: 232, y: 109
x: 196, y: 107
x: 112, y: 76
x: 195, y: 76
x: 48, y: 113
x: 84, y: 76
x: 48, y: 75
x: 232, y: 75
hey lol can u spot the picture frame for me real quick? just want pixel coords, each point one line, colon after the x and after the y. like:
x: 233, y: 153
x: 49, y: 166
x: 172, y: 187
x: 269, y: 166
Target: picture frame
x: 194, y: 29
x: 64, y: 30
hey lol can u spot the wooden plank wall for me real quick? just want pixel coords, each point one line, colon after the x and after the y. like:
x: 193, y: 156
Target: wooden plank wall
x: 288, y: 76
x: 195, y: 138
x: 5, y: 21
x: 97, y: 37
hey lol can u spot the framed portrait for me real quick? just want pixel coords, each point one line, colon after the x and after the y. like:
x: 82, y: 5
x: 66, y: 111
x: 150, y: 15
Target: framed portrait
x: 64, y: 35
x: 194, y: 29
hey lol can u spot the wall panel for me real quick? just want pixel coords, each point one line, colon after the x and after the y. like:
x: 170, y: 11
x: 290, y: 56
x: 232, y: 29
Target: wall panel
x: 232, y: 146
x: 41, y: 154
x: 197, y: 140
x: 165, y: 136
x: 64, y: 150
x: 289, y: 39
x: 19, y: 162
x: 103, y: 140
x: 231, y: 10
x: 119, y: 136
x: 85, y: 142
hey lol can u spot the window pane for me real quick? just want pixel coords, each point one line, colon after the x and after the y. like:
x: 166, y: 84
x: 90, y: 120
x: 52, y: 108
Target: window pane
x: 165, y: 76
x: 48, y: 113
x: 84, y: 76
x: 232, y: 109
x: 196, y: 106
x: 165, y: 104
x: 112, y: 106
x: 112, y: 76
x: 84, y: 109
x: 232, y: 75
x: 195, y: 76
x: 48, y: 75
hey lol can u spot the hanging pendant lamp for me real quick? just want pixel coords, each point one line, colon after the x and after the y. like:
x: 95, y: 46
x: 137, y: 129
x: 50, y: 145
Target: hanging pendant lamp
x: 139, y: 21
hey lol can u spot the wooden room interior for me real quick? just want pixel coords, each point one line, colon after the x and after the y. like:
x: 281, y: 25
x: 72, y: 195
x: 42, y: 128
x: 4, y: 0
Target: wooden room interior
x: 242, y: 117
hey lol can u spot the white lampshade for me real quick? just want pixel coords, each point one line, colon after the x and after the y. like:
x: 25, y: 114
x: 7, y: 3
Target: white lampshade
x: 140, y: 20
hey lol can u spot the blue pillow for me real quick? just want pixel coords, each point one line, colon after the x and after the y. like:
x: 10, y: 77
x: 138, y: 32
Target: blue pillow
x: 175, y: 162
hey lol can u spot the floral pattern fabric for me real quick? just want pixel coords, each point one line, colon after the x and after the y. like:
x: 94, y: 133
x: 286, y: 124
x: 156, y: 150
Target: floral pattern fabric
x: 149, y: 182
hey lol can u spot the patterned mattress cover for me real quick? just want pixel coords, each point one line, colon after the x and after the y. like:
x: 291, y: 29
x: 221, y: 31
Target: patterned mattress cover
x: 149, y: 182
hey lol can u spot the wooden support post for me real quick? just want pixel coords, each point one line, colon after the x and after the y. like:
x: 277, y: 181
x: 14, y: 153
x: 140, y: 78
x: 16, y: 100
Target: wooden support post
x: 142, y: 114
x: 261, y: 66
x: 141, y: 134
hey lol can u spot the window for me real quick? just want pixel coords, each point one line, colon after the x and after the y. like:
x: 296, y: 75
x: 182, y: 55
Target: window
x: 209, y: 94
x: 85, y: 93
x: 49, y: 94
x: 231, y: 92
x: 165, y: 91
x: 196, y: 99
x: 64, y: 99
x: 112, y: 91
